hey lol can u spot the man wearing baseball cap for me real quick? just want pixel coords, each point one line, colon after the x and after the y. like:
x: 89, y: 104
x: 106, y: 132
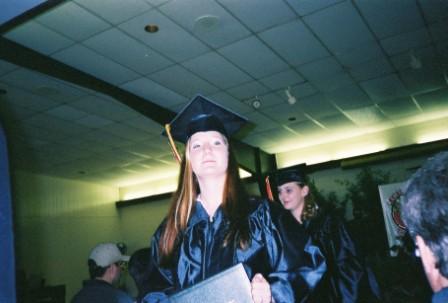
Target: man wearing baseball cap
x: 105, y: 270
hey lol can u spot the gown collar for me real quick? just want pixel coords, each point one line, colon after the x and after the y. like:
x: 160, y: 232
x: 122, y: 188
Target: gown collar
x: 200, y: 214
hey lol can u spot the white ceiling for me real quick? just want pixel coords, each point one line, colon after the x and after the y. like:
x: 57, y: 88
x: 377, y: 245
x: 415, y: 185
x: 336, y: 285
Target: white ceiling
x: 351, y: 65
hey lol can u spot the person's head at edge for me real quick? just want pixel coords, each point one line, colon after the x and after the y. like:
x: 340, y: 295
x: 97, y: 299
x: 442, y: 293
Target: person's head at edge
x: 425, y: 213
x: 138, y: 268
x: 208, y: 159
x: 105, y: 262
x: 295, y: 194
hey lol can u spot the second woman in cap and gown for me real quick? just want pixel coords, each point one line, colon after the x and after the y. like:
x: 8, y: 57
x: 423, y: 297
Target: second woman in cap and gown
x: 212, y: 224
x: 347, y: 279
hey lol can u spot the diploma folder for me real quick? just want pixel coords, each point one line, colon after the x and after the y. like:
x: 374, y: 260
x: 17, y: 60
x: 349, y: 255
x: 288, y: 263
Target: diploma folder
x: 229, y: 286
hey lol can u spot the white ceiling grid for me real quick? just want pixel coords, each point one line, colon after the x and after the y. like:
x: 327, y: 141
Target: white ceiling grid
x: 350, y: 64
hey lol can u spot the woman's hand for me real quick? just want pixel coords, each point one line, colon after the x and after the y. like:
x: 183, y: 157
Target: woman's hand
x: 261, y: 290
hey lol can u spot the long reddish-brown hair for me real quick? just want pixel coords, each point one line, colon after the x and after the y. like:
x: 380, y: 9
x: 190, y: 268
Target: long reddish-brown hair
x: 234, y: 205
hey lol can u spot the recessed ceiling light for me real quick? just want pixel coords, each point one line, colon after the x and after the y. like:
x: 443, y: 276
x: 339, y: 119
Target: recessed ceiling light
x: 3, y: 91
x: 151, y: 28
x: 292, y: 119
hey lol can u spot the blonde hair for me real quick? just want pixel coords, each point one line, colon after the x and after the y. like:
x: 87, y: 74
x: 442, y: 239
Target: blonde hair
x: 310, y: 207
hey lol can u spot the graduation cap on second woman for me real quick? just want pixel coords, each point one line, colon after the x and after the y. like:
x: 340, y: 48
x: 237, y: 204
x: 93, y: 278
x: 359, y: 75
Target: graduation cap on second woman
x: 202, y: 114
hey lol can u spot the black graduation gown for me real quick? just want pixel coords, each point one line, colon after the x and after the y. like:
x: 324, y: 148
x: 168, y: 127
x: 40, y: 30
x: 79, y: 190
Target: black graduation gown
x: 347, y: 279
x: 200, y: 254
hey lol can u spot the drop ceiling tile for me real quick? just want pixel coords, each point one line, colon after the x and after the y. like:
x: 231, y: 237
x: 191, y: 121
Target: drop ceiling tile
x: 207, y: 20
x: 433, y: 101
x: 217, y: 70
x: 398, y: 108
x: 157, y: 2
x: 110, y: 108
x: 302, y: 90
x: 435, y: 10
x: 320, y: 69
x: 427, y: 78
x: 337, y: 123
x: 270, y: 99
x: 406, y: 41
x: 416, y: 58
x: 230, y: 102
x: 349, y: 97
x: 72, y: 21
x: 366, y: 116
x: 145, y: 124
x: 371, y: 69
x: 175, y: 43
x: 260, y: 15
x: 127, y: 51
x: 42, y: 85
x: 254, y: 57
x: 247, y: 90
x: 438, y: 30
x: 12, y: 113
x: 294, y: 42
x: 27, y: 100
x: 116, y: 11
x: 282, y: 79
x: 92, y: 63
x: 317, y: 106
x: 106, y: 138
x: 52, y: 124
x: 306, y: 128
x: 154, y: 92
x: 383, y: 88
x: 350, y: 30
x: 184, y: 83
x: 360, y: 53
x: 307, y: 7
x: 38, y: 37
x: 147, y: 149
x: 390, y: 18
x: 334, y: 82
x: 126, y: 131
x: 93, y: 121
x: 284, y: 113
x: 66, y: 112
x: 260, y: 121
x: 83, y: 143
x: 29, y: 129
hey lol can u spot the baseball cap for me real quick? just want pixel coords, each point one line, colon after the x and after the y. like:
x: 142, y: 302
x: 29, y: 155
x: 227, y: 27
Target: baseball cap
x: 105, y: 254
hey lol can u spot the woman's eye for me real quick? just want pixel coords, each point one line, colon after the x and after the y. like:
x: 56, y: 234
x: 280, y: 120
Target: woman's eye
x: 217, y: 142
x: 195, y: 146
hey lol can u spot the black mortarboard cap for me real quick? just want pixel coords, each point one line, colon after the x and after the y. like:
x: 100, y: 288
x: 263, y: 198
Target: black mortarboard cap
x: 296, y: 174
x: 202, y: 114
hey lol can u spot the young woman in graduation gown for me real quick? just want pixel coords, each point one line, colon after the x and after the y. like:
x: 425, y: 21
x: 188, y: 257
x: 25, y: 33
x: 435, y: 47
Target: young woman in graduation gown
x: 213, y: 225
x: 347, y: 279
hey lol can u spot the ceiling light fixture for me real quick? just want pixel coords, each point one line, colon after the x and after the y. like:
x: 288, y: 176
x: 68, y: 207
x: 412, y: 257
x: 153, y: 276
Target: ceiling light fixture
x: 151, y: 28
x: 206, y: 23
x: 256, y: 103
x: 291, y: 99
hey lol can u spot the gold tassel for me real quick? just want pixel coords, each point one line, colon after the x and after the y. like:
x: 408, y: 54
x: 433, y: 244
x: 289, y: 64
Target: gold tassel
x: 172, y: 144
